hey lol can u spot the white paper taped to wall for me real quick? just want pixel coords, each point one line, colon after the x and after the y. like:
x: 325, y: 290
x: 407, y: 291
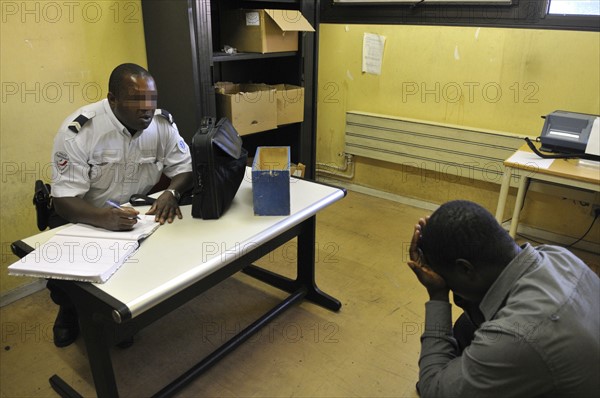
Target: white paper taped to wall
x: 373, y: 45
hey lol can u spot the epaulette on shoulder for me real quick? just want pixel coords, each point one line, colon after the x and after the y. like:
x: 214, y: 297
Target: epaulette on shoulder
x: 79, y: 121
x: 165, y: 114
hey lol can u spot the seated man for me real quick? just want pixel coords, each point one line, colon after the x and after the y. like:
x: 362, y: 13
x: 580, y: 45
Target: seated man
x: 108, y: 151
x: 534, y: 322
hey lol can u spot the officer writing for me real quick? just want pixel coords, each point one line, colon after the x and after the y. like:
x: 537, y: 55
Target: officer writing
x: 117, y: 147
x: 107, y: 151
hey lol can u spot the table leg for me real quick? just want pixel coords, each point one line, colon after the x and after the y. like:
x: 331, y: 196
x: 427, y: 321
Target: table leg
x: 98, y: 352
x: 100, y: 364
x: 503, y: 194
x: 62, y: 388
x: 305, y: 270
x: 518, y: 205
x: 306, y: 267
x: 201, y: 367
x: 98, y: 336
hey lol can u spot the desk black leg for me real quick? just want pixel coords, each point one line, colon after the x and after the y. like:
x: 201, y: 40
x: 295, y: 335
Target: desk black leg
x: 306, y: 267
x: 62, y: 388
x: 305, y: 270
x: 102, y: 371
x: 229, y: 346
x: 271, y: 278
x: 98, y: 352
x: 97, y: 338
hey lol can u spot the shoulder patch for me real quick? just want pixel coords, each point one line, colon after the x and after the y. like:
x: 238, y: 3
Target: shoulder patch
x: 165, y: 114
x: 61, y: 160
x: 79, y: 121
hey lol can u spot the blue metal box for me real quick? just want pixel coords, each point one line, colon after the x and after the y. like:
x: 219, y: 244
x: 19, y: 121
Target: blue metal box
x: 271, y: 181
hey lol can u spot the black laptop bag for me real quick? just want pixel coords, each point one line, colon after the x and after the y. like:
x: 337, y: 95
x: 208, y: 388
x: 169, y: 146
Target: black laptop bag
x: 219, y: 165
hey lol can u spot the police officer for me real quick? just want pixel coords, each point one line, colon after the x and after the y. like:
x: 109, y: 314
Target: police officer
x: 108, y: 151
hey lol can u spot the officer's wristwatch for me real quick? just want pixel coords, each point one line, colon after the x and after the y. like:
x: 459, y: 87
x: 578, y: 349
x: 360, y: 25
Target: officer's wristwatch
x: 175, y: 194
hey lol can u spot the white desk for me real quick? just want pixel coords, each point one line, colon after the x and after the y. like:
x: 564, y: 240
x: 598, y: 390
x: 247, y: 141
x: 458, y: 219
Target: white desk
x: 575, y: 173
x: 183, y: 259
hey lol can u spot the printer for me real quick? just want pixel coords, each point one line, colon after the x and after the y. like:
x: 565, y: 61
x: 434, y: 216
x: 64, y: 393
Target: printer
x: 572, y: 133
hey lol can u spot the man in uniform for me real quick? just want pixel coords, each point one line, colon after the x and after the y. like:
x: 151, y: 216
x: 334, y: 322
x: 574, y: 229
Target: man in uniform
x: 108, y: 151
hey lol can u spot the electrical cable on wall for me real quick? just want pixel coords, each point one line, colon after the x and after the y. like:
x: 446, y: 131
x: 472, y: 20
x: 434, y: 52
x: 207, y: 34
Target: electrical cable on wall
x: 586, y: 232
x: 529, y: 238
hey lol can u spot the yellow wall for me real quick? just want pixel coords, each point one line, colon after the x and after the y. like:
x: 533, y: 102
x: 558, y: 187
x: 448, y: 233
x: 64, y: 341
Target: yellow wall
x: 508, y: 78
x: 56, y: 57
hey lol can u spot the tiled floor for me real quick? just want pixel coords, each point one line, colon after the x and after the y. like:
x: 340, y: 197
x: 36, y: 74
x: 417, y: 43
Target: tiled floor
x: 369, y: 348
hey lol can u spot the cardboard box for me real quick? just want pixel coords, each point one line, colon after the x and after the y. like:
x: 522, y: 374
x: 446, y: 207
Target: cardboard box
x: 271, y: 181
x: 297, y: 170
x: 250, y: 107
x: 262, y: 30
x: 290, y: 104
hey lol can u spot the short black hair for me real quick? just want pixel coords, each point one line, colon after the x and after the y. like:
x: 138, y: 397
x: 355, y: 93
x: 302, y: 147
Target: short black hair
x: 115, y: 81
x: 461, y: 229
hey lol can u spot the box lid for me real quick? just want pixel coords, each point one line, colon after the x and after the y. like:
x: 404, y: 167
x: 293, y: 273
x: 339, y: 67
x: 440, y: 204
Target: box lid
x: 290, y: 20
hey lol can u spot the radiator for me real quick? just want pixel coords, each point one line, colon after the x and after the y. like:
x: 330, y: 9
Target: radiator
x: 451, y: 150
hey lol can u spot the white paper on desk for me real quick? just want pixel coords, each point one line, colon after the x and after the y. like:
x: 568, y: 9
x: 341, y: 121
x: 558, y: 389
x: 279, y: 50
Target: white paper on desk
x: 372, y: 55
x: 75, y: 258
x: 530, y: 159
x: 142, y: 229
x: 84, y: 253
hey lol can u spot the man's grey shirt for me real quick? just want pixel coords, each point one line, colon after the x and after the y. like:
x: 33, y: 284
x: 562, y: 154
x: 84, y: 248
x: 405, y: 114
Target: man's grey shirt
x: 540, y: 338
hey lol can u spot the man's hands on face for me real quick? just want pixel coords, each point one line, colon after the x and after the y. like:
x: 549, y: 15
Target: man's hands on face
x: 165, y: 208
x: 434, y: 283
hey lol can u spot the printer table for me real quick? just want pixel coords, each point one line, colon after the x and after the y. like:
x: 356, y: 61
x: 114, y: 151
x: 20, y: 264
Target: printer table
x: 576, y: 173
x: 203, y: 253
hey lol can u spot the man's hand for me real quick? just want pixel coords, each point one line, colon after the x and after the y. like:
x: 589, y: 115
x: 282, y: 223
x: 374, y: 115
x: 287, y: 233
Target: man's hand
x: 165, y: 208
x: 434, y: 283
x: 122, y: 219
x: 77, y: 210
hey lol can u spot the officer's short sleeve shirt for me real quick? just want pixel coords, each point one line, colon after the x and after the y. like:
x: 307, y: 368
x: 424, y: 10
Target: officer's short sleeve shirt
x: 98, y: 159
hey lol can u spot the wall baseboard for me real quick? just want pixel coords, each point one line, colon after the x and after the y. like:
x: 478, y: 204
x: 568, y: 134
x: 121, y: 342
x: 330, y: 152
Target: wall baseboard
x: 21, y: 292
x: 418, y: 203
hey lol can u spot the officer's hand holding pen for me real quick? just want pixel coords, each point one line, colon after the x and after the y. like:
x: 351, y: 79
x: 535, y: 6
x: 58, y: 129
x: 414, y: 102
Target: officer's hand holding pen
x: 129, y: 212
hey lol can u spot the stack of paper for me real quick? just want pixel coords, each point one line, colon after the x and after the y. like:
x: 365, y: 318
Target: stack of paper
x: 83, y: 252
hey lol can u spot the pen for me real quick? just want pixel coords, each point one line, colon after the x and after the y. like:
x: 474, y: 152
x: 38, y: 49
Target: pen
x: 117, y: 206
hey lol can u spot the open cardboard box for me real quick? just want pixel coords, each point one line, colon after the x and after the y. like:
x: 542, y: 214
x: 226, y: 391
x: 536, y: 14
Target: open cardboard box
x: 263, y: 30
x: 250, y: 107
x: 290, y: 104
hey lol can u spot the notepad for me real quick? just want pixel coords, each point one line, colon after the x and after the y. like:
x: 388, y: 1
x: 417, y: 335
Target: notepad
x: 84, y: 253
